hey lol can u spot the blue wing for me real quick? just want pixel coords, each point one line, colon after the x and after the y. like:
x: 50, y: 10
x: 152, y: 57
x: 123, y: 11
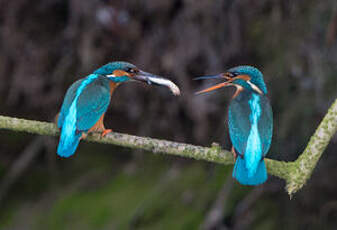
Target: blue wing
x: 68, y: 100
x: 239, y: 124
x: 92, y: 103
x: 265, y: 124
x: 85, y: 102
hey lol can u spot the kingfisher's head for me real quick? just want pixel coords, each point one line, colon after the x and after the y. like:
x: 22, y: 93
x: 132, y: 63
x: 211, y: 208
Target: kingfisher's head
x: 243, y: 77
x: 119, y: 72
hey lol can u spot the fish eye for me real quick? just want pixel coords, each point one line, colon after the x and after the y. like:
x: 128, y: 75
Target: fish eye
x: 131, y: 70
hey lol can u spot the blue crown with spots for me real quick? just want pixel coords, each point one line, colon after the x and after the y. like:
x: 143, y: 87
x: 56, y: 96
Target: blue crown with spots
x: 254, y: 73
x: 112, y: 66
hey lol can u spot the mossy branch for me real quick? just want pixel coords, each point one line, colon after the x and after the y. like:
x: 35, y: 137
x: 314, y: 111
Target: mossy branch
x: 294, y: 173
x: 303, y: 167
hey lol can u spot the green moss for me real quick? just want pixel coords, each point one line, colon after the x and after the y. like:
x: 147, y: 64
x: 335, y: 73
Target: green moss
x: 156, y: 197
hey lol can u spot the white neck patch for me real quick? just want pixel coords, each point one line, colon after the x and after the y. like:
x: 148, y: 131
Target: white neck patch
x: 111, y: 76
x: 254, y: 87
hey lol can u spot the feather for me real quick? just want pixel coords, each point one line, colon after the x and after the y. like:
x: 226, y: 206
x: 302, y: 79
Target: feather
x: 85, y: 102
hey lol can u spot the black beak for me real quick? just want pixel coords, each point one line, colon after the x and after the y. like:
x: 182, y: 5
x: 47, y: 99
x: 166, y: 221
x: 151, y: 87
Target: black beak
x: 145, y: 77
x: 217, y: 76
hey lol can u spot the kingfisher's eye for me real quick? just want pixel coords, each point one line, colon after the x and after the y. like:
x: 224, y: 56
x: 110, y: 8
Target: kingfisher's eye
x: 231, y: 74
x: 132, y: 70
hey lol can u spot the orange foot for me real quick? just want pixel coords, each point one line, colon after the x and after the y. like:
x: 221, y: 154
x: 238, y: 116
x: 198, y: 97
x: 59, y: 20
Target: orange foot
x: 234, y: 153
x: 105, y: 132
x: 84, y: 135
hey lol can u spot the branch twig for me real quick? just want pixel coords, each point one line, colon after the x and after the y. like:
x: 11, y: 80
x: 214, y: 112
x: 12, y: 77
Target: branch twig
x: 214, y: 154
x: 294, y: 173
x: 306, y: 162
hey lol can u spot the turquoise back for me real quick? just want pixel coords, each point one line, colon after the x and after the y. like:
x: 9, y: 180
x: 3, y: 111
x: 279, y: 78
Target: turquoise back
x: 240, y: 121
x: 85, y: 102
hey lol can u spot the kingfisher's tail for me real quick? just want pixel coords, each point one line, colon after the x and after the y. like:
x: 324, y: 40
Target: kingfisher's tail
x: 68, y: 143
x: 241, y: 173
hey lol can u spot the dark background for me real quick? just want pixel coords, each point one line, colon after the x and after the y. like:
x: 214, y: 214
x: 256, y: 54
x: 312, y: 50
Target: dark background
x: 46, y: 45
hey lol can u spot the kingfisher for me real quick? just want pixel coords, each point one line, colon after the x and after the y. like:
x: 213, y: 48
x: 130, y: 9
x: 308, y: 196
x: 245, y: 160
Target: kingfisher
x: 87, y: 100
x: 250, y: 121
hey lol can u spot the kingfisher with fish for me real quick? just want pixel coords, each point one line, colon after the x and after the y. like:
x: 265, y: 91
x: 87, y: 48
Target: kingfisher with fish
x: 87, y: 100
x: 250, y: 121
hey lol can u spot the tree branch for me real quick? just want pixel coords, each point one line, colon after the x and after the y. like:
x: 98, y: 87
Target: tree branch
x: 302, y: 168
x: 294, y: 173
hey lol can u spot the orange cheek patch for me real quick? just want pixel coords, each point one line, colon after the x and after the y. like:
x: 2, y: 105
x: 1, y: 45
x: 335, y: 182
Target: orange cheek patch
x: 119, y: 73
x: 238, y: 90
x: 243, y: 77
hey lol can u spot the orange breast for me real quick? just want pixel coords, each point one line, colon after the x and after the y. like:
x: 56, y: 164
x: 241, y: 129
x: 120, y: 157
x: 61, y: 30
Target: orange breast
x: 113, y: 86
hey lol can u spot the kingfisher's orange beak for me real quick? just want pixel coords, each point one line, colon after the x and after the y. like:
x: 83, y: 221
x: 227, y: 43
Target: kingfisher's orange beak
x: 218, y: 86
x: 228, y: 76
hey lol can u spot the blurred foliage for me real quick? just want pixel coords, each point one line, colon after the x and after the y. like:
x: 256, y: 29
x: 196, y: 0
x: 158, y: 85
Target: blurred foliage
x: 46, y: 45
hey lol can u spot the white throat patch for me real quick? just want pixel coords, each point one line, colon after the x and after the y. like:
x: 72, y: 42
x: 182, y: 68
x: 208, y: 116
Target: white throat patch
x: 111, y: 76
x: 254, y: 87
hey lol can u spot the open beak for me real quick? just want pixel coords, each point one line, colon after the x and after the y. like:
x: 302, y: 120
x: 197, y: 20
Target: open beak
x: 220, y: 85
x: 156, y: 80
x: 217, y: 76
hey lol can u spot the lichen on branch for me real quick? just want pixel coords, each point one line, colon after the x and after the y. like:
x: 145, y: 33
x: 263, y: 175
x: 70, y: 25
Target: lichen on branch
x: 294, y: 173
